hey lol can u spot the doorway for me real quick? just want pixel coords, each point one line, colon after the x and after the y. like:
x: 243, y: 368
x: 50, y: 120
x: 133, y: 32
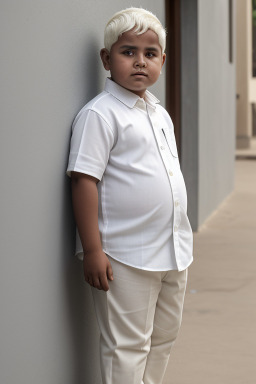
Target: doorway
x: 173, y: 66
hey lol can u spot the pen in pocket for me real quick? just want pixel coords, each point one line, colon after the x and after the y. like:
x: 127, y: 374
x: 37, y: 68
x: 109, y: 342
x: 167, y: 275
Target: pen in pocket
x: 166, y: 139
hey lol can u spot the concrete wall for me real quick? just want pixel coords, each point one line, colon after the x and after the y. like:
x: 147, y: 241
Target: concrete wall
x: 245, y: 83
x: 50, y: 69
x: 217, y: 106
x: 208, y: 106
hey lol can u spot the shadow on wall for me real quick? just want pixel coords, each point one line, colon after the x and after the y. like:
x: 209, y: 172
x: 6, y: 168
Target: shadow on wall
x: 83, y: 335
x: 82, y: 322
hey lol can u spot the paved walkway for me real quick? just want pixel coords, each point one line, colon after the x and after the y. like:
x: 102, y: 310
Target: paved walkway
x: 249, y: 153
x: 217, y: 341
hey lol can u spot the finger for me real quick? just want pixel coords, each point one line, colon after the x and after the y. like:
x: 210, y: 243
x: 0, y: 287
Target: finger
x: 104, y: 282
x: 96, y: 283
x: 110, y: 272
x: 89, y: 279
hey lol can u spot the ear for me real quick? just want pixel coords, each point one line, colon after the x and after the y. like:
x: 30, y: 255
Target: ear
x: 163, y: 58
x: 105, y: 58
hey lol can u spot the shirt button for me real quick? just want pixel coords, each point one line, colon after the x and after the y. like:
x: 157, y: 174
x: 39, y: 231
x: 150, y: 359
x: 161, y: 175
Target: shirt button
x: 170, y: 173
x: 176, y: 203
x: 162, y: 147
x: 175, y: 228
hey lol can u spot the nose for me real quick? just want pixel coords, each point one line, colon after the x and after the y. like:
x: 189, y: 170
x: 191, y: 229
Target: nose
x: 140, y: 62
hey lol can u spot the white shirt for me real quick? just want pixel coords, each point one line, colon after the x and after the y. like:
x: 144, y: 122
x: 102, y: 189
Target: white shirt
x: 128, y: 144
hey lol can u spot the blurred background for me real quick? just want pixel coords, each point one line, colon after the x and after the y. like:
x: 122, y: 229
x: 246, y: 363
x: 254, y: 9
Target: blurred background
x: 50, y: 68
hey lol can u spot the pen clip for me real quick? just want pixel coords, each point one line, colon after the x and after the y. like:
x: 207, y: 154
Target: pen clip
x: 166, y: 139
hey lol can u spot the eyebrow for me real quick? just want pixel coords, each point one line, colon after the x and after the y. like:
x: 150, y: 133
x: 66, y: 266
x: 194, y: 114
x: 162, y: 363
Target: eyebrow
x: 134, y: 47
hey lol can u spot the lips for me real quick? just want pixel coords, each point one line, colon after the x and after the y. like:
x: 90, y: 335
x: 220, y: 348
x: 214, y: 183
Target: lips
x: 139, y: 74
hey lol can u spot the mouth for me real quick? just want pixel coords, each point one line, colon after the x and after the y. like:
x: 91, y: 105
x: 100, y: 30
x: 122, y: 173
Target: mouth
x: 140, y: 74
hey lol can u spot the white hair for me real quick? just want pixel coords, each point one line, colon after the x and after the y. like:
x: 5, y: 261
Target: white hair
x: 138, y: 19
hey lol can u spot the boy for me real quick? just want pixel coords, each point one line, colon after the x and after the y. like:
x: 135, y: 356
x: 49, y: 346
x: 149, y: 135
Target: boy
x: 130, y: 205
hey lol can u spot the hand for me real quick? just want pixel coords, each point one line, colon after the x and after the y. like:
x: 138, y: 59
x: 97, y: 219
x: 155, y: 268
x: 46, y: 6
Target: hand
x: 97, y: 270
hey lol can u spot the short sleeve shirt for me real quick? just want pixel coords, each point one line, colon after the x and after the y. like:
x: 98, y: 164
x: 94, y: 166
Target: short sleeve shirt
x: 128, y: 144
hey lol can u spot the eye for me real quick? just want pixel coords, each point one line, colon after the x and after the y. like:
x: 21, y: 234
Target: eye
x: 150, y: 54
x: 128, y: 52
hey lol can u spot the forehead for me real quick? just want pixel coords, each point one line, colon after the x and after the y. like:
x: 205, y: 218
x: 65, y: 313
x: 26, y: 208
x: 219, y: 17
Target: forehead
x: 149, y: 39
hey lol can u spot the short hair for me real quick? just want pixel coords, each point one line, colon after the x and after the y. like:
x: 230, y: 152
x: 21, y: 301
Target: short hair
x: 138, y: 18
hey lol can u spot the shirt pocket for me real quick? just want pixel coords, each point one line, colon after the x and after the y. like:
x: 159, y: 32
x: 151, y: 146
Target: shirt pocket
x: 170, y: 140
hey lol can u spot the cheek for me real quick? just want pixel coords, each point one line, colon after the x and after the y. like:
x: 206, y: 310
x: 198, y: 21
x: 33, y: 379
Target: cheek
x: 156, y: 69
x: 122, y: 69
x: 118, y: 71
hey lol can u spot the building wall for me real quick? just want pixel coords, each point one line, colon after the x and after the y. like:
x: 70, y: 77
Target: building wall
x: 245, y: 83
x: 208, y: 106
x: 50, y: 69
x: 217, y: 106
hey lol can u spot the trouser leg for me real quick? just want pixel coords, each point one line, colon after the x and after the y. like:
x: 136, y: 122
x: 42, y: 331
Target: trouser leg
x: 167, y: 322
x: 125, y: 315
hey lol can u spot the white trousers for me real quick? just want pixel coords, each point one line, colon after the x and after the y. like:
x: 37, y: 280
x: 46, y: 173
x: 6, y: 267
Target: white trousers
x: 139, y: 319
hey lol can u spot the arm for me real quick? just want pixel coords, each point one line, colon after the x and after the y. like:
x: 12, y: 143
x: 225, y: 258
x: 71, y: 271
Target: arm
x: 97, y: 268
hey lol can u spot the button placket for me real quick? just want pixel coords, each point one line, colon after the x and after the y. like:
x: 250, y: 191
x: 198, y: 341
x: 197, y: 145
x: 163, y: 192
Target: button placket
x: 160, y: 143
x: 169, y: 166
x: 168, y: 161
x: 172, y: 166
x: 177, y: 216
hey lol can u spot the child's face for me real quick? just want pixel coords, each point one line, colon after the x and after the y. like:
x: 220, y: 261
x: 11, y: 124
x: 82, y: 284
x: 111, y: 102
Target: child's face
x: 134, y: 61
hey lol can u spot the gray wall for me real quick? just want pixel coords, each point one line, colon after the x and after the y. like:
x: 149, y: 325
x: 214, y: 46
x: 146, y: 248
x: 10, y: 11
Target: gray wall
x: 217, y: 106
x: 50, y: 68
x: 208, y: 106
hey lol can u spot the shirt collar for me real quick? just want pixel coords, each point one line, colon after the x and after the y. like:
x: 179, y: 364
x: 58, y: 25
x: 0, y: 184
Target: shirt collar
x: 127, y: 97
